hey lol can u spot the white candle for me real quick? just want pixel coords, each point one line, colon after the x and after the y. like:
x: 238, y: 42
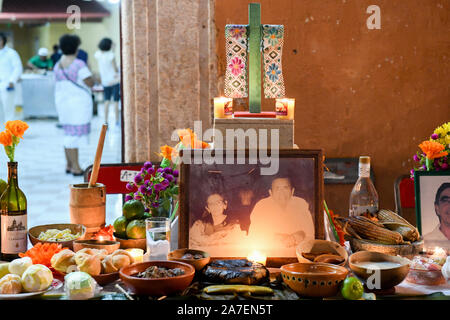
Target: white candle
x: 137, y: 254
x: 285, y: 108
x: 257, y: 256
x: 223, y: 107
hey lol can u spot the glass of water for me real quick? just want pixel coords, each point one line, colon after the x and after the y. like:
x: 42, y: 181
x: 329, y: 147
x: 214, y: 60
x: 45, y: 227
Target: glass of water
x: 158, y: 238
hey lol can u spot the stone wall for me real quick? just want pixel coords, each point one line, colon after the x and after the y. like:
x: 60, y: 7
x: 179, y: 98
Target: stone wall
x: 169, y: 71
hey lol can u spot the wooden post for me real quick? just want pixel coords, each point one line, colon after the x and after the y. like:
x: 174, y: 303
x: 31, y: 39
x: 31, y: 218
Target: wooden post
x: 254, y: 65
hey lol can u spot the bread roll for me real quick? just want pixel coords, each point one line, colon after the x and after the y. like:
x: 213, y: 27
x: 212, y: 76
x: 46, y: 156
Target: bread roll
x: 88, y: 263
x: 63, y: 260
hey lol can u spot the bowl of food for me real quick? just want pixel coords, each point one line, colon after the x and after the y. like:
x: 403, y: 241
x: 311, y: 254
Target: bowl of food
x: 157, y: 278
x: 393, y: 269
x: 64, y: 234
x: 132, y: 243
x: 196, y: 258
x: 322, y: 251
x: 313, y: 279
x: 109, y: 246
x: 104, y: 279
x: 426, y: 270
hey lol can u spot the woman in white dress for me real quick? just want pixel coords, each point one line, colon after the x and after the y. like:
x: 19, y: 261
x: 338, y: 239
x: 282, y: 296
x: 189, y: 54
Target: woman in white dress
x: 73, y: 100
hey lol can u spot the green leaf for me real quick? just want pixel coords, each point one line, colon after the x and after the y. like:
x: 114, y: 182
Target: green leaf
x: 165, y: 163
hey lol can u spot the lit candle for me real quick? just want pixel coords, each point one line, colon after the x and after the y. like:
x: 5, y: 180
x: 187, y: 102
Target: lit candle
x: 100, y: 238
x: 223, y: 107
x: 257, y: 256
x: 285, y: 108
x: 439, y: 255
x: 137, y: 254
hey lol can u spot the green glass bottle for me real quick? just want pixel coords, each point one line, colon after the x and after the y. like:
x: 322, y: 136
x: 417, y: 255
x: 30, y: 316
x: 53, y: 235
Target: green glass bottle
x: 13, y: 223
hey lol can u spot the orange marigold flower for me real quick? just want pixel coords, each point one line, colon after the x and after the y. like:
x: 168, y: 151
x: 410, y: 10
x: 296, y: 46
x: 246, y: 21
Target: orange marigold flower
x: 17, y: 127
x: 6, y: 138
x: 187, y: 137
x: 167, y: 152
x: 432, y: 149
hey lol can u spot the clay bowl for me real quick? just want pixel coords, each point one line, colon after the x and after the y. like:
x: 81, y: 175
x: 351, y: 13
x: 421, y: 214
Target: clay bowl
x: 389, y: 277
x: 132, y: 243
x: 198, y: 264
x: 321, y: 246
x: 160, y: 286
x: 104, y: 279
x: 34, y: 233
x: 109, y: 246
x: 313, y: 279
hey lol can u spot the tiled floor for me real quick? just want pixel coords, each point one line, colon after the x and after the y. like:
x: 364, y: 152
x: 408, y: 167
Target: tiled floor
x: 42, y: 174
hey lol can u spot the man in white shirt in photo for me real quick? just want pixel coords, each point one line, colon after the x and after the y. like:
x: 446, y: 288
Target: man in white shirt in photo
x: 10, y: 71
x: 280, y: 221
x: 442, y: 207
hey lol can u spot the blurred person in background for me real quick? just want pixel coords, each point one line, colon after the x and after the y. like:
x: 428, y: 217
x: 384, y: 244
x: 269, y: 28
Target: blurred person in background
x: 10, y: 71
x: 56, y: 55
x: 109, y: 75
x: 73, y: 100
x: 40, y: 61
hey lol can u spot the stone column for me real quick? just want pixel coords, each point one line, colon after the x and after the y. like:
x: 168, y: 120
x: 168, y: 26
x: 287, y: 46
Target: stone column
x: 169, y: 71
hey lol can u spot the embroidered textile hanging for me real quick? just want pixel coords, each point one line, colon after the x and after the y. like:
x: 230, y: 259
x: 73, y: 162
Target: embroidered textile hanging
x: 237, y: 56
x: 273, y: 39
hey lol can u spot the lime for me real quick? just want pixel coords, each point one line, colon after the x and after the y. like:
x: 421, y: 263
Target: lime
x: 133, y: 209
x: 352, y: 289
x: 136, y: 229
x: 120, y: 227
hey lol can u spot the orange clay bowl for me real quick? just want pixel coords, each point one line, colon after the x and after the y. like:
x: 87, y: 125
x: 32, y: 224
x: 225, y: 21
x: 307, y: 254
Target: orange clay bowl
x: 157, y: 286
x: 388, y: 277
x: 132, y: 243
x: 320, y: 246
x: 313, y: 279
x: 198, y: 264
x: 34, y: 232
x: 107, y: 245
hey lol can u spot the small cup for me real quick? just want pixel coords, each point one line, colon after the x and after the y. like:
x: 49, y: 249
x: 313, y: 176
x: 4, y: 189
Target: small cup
x: 158, y: 238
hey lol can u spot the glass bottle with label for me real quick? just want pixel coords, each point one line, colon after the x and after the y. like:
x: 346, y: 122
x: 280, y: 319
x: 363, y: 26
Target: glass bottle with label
x: 13, y: 223
x: 364, y: 196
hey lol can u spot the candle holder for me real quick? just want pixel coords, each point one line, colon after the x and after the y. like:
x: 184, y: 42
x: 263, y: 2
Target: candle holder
x: 223, y: 108
x: 284, y: 108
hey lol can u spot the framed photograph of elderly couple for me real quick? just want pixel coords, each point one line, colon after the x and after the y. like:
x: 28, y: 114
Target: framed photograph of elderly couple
x: 232, y: 210
x: 432, y: 190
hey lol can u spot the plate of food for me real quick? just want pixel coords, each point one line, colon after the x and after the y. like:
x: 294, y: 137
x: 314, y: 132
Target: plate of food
x: 63, y: 234
x: 21, y: 279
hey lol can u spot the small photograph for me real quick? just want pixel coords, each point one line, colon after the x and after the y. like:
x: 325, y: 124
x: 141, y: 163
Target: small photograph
x: 433, y: 208
x: 235, y: 210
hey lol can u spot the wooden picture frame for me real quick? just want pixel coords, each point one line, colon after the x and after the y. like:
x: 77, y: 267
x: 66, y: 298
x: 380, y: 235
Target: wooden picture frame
x: 427, y: 185
x: 190, y: 191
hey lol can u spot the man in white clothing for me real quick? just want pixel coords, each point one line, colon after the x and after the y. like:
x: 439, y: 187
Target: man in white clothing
x: 280, y: 221
x: 10, y: 72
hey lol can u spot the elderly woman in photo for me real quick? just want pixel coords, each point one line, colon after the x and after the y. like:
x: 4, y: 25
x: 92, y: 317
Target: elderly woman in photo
x: 215, y: 228
x: 73, y: 100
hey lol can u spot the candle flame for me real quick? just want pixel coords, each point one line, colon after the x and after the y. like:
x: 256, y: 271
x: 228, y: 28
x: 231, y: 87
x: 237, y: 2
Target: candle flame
x: 439, y: 252
x: 257, y: 256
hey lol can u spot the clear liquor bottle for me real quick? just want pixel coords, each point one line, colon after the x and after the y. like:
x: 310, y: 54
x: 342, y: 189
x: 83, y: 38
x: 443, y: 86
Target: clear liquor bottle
x: 364, y: 196
x: 13, y: 219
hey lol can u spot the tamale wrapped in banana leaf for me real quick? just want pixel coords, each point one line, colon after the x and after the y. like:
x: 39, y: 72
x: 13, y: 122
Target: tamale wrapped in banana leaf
x: 235, y: 271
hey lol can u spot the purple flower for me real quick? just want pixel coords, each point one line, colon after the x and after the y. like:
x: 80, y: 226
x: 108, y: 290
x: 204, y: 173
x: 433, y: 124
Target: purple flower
x: 147, y: 183
x: 129, y: 186
x: 444, y: 166
x: 151, y: 171
x: 147, y: 165
x: 175, y: 181
x: 157, y: 187
x: 434, y: 136
x: 416, y: 158
x: 160, y: 170
x: 155, y: 204
x: 147, y: 210
x: 128, y: 198
x: 142, y: 189
x: 149, y: 192
x: 424, y: 166
x: 165, y: 183
x: 175, y: 173
x: 412, y: 172
x: 167, y: 170
x: 143, y: 171
x: 137, y: 196
x: 169, y: 177
x: 138, y: 178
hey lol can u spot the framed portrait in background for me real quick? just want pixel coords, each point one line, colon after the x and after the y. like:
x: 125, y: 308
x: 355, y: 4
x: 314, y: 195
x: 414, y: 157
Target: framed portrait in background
x: 231, y: 210
x: 432, y: 190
